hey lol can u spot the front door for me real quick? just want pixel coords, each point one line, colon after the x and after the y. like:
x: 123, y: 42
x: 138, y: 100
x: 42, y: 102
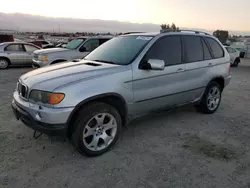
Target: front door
x: 29, y: 49
x: 155, y: 89
x: 16, y: 54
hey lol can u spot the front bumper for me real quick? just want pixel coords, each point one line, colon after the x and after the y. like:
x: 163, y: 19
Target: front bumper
x: 38, y: 64
x: 35, y: 65
x: 50, y: 121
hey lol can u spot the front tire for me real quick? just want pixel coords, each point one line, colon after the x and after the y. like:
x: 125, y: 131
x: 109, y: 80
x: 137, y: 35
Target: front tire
x: 97, y: 129
x: 211, y: 99
x: 4, y: 63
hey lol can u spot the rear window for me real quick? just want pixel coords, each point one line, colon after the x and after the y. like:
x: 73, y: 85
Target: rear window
x: 216, y: 48
x: 193, y: 48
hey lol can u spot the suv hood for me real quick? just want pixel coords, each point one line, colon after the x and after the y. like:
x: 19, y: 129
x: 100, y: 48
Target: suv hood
x: 51, y: 77
x: 51, y: 50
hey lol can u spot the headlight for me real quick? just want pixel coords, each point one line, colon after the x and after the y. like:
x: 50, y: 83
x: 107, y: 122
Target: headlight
x: 43, y: 58
x: 46, y: 97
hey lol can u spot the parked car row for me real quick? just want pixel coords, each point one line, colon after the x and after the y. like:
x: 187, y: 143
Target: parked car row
x: 90, y: 101
x: 27, y: 54
x: 234, y: 56
x: 16, y: 54
x: 75, y: 49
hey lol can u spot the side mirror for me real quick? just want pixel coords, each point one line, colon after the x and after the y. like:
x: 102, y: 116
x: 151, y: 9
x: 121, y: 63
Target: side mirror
x: 154, y: 64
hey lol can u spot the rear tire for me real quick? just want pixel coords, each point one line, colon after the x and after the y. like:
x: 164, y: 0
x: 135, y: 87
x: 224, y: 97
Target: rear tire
x: 236, y: 63
x: 97, y: 128
x: 4, y: 63
x: 211, y: 99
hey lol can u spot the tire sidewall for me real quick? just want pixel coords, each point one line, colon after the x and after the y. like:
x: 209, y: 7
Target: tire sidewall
x: 236, y: 63
x: 82, y: 121
x: 205, y: 96
x: 7, y: 63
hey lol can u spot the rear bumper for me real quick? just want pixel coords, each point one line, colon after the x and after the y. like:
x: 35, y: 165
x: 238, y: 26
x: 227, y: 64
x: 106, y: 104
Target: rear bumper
x: 228, y: 79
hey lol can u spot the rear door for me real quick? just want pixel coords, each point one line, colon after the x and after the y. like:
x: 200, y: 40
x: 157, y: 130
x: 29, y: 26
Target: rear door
x: 198, y: 59
x: 16, y: 54
x: 29, y: 49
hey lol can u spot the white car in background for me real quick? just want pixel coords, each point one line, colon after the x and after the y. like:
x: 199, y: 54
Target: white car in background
x: 76, y: 49
x: 234, y: 56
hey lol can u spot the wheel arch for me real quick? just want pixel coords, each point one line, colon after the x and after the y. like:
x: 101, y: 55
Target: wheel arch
x: 220, y: 80
x: 113, y: 99
x: 4, y: 57
x: 58, y: 60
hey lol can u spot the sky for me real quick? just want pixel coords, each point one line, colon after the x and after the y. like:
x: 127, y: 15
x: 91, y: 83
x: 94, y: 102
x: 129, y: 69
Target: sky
x: 205, y: 14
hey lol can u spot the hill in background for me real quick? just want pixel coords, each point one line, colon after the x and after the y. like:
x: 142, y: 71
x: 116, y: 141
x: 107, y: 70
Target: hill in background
x: 34, y: 23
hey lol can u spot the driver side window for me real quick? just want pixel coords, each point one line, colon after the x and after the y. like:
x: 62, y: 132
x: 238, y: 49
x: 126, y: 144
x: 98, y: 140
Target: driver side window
x: 167, y: 49
x: 90, y: 45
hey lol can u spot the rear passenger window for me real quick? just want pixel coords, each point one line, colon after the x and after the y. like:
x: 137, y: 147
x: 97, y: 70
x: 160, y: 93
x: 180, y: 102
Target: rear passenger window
x: 193, y: 48
x: 167, y: 49
x: 101, y: 41
x: 207, y: 54
x: 216, y: 48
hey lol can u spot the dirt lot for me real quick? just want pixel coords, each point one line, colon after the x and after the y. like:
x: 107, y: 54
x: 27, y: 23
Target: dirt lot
x: 181, y: 148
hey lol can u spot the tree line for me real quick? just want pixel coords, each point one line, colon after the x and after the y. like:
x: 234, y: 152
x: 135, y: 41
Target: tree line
x: 222, y: 35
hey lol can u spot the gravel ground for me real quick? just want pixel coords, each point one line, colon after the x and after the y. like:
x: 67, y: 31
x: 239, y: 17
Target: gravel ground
x: 181, y: 148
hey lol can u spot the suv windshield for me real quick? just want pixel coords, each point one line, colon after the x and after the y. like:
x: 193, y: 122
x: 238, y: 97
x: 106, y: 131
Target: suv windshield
x: 119, y: 50
x: 74, y: 44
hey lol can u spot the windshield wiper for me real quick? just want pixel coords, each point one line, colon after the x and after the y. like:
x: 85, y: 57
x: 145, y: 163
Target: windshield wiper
x: 104, y: 61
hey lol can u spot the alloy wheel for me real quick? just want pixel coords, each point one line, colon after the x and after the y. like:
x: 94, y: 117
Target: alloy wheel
x: 99, y: 132
x: 3, y: 64
x: 213, y: 99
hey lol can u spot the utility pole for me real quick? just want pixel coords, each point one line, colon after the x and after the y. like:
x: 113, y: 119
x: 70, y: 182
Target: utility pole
x: 59, y: 28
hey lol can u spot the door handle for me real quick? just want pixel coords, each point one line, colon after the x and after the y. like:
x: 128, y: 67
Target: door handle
x: 210, y: 64
x: 180, y: 70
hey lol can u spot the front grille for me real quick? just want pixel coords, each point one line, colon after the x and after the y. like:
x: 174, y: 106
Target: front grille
x: 35, y: 56
x: 22, y: 90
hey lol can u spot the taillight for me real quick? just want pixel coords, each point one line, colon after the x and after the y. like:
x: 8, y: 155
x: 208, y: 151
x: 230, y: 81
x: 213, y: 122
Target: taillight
x: 229, y: 68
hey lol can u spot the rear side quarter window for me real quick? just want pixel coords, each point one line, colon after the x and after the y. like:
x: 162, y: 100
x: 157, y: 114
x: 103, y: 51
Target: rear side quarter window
x: 216, y: 48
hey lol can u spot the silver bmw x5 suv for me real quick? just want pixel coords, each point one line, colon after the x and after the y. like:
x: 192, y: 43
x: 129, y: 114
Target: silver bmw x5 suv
x: 91, y: 100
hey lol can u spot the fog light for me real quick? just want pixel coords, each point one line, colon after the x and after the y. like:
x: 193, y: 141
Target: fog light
x: 38, y: 116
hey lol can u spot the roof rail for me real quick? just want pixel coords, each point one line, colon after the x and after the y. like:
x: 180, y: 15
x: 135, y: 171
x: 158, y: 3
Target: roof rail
x: 132, y: 33
x: 184, y: 30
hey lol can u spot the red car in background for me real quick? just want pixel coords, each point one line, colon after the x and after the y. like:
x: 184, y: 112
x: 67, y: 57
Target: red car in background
x: 6, y: 38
